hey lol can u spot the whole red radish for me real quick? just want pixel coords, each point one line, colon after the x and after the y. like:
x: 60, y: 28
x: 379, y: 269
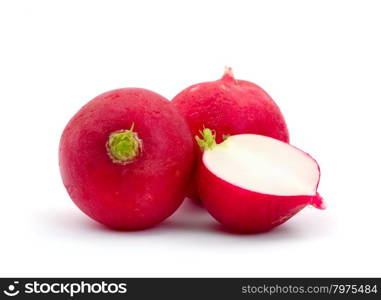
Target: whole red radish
x: 230, y: 106
x: 126, y: 158
x: 252, y: 183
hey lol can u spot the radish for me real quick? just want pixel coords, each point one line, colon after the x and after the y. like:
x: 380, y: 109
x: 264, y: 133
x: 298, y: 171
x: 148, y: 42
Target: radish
x: 230, y: 106
x: 253, y: 183
x: 126, y: 158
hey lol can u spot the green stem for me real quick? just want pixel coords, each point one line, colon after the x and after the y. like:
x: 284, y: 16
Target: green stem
x: 123, y: 146
x: 208, y: 140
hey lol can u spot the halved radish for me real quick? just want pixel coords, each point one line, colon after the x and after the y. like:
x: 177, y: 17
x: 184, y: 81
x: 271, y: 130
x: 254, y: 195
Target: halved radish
x: 253, y: 183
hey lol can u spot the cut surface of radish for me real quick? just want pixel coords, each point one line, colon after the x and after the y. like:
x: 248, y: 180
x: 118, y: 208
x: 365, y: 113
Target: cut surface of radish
x: 263, y: 165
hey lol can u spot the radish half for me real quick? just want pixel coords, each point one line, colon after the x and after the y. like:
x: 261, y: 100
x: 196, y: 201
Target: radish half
x: 253, y: 183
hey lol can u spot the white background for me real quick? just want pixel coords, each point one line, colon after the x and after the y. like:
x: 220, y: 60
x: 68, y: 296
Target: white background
x: 320, y: 61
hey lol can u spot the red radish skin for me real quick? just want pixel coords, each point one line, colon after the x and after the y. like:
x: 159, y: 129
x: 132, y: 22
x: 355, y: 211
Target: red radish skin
x: 126, y: 158
x: 231, y: 107
x: 247, y: 211
x: 244, y: 210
